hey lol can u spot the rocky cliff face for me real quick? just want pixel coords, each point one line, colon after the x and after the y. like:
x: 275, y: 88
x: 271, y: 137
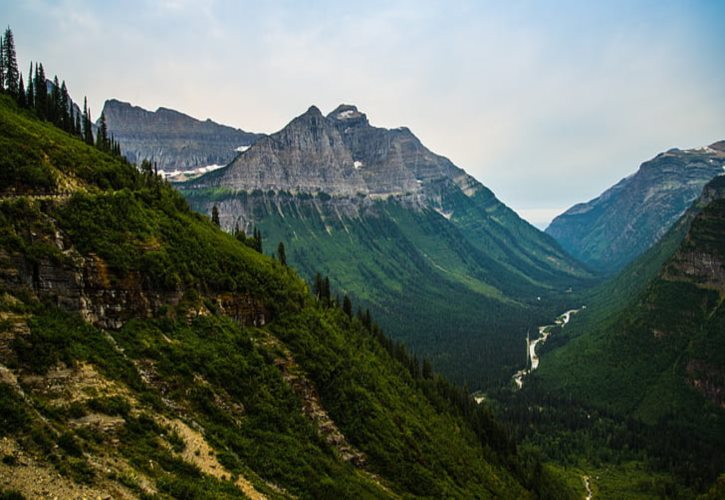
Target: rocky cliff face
x: 173, y: 140
x: 614, y: 228
x: 340, y: 154
x: 82, y: 284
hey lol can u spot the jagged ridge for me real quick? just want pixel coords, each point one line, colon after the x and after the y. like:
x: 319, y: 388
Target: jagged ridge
x: 611, y: 230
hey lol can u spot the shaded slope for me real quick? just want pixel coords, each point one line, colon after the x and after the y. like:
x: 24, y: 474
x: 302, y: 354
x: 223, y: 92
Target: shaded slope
x: 136, y: 339
x: 442, y: 263
x: 613, y: 229
x: 650, y: 344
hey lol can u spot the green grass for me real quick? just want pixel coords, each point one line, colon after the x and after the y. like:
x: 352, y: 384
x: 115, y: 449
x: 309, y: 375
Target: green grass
x: 458, y: 298
x: 208, y: 368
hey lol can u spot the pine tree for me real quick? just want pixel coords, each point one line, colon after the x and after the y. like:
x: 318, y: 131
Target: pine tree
x: 54, y: 111
x: 78, y: 130
x: 41, y: 92
x: 347, y: 306
x: 21, y: 93
x: 12, y: 76
x: 30, y: 91
x: 2, y: 63
x: 215, y: 215
x: 102, y: 134
x: 281, y: 255
x: 317, y: 286
x: 66, y: 113
x: 87, y: 129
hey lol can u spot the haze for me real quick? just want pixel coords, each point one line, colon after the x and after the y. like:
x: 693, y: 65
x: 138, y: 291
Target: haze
x: 546, y: 103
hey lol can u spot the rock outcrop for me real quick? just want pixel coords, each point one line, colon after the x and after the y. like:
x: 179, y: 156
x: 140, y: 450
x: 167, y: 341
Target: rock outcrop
x: 611, y: 230
x: 173, y: 140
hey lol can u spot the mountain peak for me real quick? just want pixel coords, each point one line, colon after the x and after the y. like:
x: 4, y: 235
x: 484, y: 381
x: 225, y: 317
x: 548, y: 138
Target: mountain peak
x: 348, y: 114
x: 718, y: 146
x: 313, y: 110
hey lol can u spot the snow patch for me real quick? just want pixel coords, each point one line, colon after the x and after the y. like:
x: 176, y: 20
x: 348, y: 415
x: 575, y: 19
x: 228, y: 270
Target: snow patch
x: 187, y: 174
x: 358, y: 164
x: 242, y: 149
x: 447, y: 215
x: 346, y: 115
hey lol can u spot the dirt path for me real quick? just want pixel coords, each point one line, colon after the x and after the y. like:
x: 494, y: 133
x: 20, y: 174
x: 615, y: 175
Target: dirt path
x: 588, y: 486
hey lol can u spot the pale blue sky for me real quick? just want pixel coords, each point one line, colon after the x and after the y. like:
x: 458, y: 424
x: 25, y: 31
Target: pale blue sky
x: 548, y: 103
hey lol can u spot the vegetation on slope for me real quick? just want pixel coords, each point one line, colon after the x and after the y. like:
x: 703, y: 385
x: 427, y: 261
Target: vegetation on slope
x: 637, y: 378
x: 186, y: 399
x: 463, y: 298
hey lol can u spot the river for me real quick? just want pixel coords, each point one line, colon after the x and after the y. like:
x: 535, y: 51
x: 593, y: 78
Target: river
x: 544, y: 333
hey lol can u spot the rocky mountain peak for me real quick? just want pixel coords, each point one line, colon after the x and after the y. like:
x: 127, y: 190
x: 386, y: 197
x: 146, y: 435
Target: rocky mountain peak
x: 611, y: 230
x: 171, y: 139
x: 348, y: 115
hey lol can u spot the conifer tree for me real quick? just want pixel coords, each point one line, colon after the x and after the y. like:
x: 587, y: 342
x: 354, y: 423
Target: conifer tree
x: 347, y: 306
x: 2, y: 63
x: 30, y: 92
x: 66, y: 113
x: 78, y: 130
x: 102, y: 134
x: 215, y: 216
x: 41, y: 92
x: 54, y: 111
x: 281, y: 255
x: 87, y: 129
x: 10, y: 63
x: 21, y: 93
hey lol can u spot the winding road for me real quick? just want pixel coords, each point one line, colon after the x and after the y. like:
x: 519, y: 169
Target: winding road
x: 544, y: 332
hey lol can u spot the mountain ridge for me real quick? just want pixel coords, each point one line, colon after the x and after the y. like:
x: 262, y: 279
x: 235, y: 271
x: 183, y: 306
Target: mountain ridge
x: 173, y: 140
x: 612, y: 229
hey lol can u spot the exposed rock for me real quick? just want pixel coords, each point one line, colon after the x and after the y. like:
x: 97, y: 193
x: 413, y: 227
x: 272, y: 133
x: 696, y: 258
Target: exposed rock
x: 82, y: 283
x: 173, y: 140
x: 341, y: 155
x: 624, y: 221
x: 707, y: 379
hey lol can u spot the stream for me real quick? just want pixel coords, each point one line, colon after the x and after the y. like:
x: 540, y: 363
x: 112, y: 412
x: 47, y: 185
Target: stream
x: 544, y: 332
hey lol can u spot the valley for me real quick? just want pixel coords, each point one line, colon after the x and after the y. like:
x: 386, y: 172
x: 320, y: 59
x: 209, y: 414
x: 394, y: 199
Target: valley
x: 544, y: 332
x: 334, y: 310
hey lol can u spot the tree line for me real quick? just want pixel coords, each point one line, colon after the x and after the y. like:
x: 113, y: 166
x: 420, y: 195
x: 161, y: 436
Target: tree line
x: 50, y: 100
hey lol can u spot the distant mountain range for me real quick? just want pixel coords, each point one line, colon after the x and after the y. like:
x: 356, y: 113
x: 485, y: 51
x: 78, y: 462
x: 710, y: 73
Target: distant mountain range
x: 611, y: 230
x: 174, y: 141
x: 442, y: 263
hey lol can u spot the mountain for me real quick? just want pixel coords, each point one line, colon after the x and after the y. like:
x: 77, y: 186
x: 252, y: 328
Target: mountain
x: 444, y: 265
x: 173, y: 140
x: 144, y: 352
x: 611, y: 230
x: 649, y: 347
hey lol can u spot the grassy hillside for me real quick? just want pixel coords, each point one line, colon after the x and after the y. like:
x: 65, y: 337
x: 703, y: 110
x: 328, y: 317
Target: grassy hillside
x: 461, y: 291
x: 144, y: 352
x: 638, y: 376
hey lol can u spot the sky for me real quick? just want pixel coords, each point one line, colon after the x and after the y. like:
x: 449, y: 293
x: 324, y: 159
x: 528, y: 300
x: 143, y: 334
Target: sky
x: 548, y: 103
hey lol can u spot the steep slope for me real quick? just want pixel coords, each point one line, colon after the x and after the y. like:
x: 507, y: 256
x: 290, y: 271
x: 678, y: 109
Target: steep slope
x: 444, y: 265
x: 145, y: 352
x: 654, y: 352
x: 173, y: 140
x: 613, y: 229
